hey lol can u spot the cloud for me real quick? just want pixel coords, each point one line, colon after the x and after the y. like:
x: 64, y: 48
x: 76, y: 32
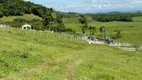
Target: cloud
x: 92, y: 5
x: 138, y: 1
x: 94, y: 1
x: 117, y: 4
x: 26, y: 0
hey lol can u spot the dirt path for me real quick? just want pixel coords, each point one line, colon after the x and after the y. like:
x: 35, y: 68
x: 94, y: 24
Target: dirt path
x: 70, y: 71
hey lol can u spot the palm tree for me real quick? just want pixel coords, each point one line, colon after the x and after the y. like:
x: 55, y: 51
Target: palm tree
x: 92, y: 30
x: 83, y: 21
x: 84, y: 28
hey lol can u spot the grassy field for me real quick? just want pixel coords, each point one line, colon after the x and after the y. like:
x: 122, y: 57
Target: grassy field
x: 131, y: 31
x: 26, y: 16
x: 26, y: 55
x: 137, y: 19
x: 29, y: 55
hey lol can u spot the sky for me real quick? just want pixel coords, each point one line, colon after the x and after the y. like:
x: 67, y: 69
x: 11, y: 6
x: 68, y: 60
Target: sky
x: 92, y: 6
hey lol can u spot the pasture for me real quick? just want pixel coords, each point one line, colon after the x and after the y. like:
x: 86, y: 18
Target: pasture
x: 33, y: 55
x: 131, y: 31
x: 27, y: 55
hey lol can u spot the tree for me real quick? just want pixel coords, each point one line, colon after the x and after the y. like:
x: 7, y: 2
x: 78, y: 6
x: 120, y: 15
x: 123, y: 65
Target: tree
x: 37, y: 24
x: 82, y: 19
x: 84, y: 23
x: 59, y: 19
x: 84, y: 28
x: 49, y: 17
x: 92, y: 30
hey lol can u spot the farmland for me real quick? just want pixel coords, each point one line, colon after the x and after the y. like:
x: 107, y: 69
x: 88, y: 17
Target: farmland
x: 33, y: 55
x: 131, y: 30
x: 41, y: 43
x: 38, y: 55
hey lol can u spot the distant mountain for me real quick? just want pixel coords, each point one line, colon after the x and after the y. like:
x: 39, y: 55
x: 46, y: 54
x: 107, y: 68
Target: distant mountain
x: 115, y: 12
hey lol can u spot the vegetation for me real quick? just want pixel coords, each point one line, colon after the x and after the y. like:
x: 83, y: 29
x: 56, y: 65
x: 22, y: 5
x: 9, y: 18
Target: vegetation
x: 114, y: 17
x: 20, y: 7
x: 36, y: 55
x: 11, y: 18
x: 108, y: 18
x: 84, y: 23
x: 131, y: 31
x: 48, y: 19
x: 118, y: 34
x: 92, y: 30
x: 28, y: 56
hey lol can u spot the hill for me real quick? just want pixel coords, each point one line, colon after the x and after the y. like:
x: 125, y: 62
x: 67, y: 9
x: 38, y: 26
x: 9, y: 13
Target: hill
x: 45, y: 55
x: 20, y: 7
x: 28, y: 55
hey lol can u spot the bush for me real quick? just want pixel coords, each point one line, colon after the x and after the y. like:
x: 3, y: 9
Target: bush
x: 1, y: 14
x: 37, y: 24
x: 20, y: 20
x: 59, y: 28
x: 118, y: 34
x: 35, y: 20
x: 69, y: 30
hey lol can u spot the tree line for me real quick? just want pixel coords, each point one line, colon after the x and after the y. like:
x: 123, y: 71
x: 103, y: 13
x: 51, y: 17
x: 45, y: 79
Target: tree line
x: 108, y: 17
x: 20, y: 7
x: 51, y: 19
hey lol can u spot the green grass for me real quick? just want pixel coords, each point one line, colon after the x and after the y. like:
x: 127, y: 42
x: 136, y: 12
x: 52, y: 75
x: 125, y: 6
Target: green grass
x: 40, y: 56
x: 26, y: 16
x: 131, y: 31
x: 137, y: 19
x: 28, y: 55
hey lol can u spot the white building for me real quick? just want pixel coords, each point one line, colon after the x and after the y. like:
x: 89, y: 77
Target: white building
x: 26, y: 27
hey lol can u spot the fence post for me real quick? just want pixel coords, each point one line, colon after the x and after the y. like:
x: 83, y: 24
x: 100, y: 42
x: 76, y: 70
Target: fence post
x: 26, y: 32
x: 11, y: 30
x: 33, y: 33
x: 3, y: 29
x: 19, y: 30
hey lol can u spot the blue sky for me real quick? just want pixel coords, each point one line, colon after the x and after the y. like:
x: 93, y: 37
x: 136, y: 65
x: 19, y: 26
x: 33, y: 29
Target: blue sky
x: 93, y: 6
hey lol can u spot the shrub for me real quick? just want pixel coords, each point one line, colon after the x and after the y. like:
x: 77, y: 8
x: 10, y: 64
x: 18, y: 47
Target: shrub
x: 19, y: 20
x: 137, y: 46
x: 1, y: 14
x: 69, y: 30
x: 118, y: 34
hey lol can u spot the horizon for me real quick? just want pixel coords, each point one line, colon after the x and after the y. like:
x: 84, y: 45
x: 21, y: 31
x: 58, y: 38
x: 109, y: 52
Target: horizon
x: 92, y: 6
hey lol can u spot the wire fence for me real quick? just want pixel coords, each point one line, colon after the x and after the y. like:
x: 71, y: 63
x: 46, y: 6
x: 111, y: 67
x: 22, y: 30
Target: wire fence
x: 45, y: 34
x: 66, y: 37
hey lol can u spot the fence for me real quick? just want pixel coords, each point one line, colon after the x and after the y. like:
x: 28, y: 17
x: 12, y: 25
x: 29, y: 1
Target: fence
x: 47, y: 34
